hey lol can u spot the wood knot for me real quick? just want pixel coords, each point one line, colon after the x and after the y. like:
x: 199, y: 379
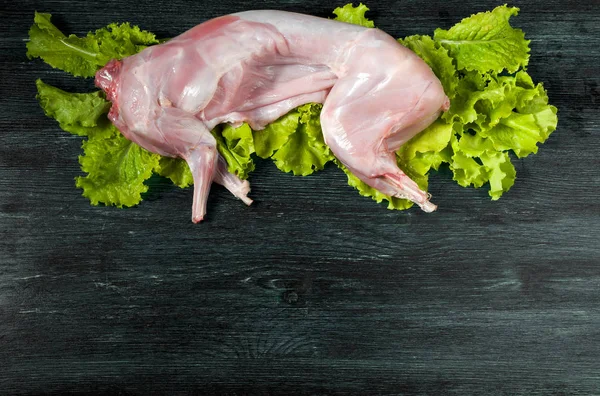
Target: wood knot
x: 290, y: 297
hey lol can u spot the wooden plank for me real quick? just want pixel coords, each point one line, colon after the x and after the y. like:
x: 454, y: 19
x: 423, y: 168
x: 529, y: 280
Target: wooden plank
x: 313, y: 289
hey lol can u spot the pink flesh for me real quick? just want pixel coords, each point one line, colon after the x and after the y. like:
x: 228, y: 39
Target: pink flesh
x: 256, y: 66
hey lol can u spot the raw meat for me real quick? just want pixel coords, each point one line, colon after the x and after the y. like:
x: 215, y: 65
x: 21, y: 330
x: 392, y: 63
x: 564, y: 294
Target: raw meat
x: 256, y: 66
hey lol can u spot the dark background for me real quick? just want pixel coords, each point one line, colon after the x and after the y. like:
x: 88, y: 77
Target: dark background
x: 313, y: 289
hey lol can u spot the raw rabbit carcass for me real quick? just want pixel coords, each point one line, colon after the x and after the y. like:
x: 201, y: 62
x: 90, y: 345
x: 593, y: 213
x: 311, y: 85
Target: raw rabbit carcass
x: 256, y: 66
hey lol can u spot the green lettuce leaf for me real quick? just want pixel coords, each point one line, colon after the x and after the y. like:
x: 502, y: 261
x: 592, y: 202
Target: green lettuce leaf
x: 426, y: 150
x: 436, y: 56
x: 472, y: 88
x: 79, y: 114
x: 276, y: 134
x: 76, y: 55
x: 354, y: 15
x: 116, y: 167
x: 236, y: 145
x: 175, y: 169
x: 476, y: 162
x: 522, y: 132
x: 501, y: 172
x: 466, y: 169
x: 305, y: 150
x: 116, y: 170
x: 509, y: 110
x: 83, y: 56
x: 486, y: 42
x: 117, y: 41
x: 530, y: 121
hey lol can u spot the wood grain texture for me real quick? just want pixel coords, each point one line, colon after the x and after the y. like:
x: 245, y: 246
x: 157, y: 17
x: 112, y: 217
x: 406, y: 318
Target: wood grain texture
x: 314, y: 289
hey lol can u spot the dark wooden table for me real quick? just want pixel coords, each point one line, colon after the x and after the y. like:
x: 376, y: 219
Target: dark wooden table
x: 313, y: 289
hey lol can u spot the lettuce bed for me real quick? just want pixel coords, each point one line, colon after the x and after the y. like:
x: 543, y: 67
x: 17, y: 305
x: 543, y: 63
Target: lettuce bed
x: 496, y: 109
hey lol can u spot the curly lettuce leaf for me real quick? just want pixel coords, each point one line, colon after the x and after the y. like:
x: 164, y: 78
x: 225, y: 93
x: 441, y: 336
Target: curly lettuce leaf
x: 472, y: 88
x: 83, y: 56
x: 276, y: 134
x: 530, y: 122
x: 305, y: 150
x: 510, y: 110
x: 522, y: 132
x: 501, y: 172
x: 476, y: 162
x: 175, y: 169
x: 486, y: 42
x: 236, y: 145
x: 466, y: 169
x: 116, y: 167
x: 436, y: 56
x: 434, y: 139
x: 354, y: 15
x: 118, y: 41
x: 75, y: 55
x: 116, y: 170
x: 79, y: 114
